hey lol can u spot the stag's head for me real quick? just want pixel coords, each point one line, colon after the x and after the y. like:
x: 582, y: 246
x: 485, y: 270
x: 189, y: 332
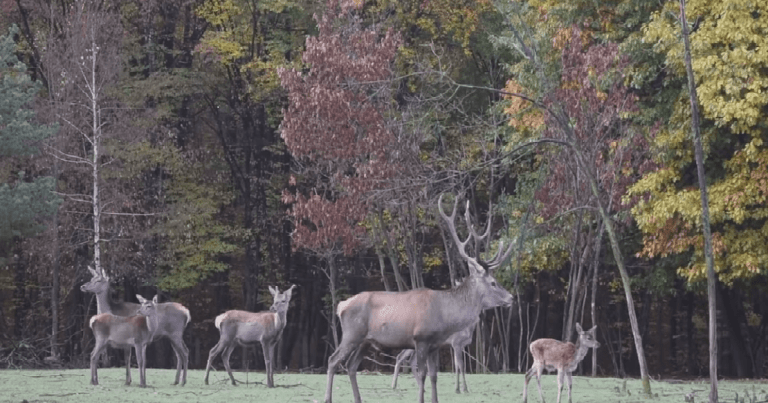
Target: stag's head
x: 281, y: 299
x: 480, y: 273
x: 99, y: 282
x: 148, y: 307
x: 587, y: 338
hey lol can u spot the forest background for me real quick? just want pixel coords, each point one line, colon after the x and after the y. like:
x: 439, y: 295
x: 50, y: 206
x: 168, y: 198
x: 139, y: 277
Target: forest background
x: 203, y: 150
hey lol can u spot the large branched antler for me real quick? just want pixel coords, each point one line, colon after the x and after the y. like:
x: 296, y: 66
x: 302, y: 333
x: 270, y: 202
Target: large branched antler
x: 450, y: 220
x: 497, y: 259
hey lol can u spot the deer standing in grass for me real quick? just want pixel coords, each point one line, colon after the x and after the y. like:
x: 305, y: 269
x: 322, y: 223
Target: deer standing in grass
x: 247, y: 328
x: 173, y: 318
x: 421, y: 319
x: 124, y: 332
x: 458, y: 341
x: 551, y: 354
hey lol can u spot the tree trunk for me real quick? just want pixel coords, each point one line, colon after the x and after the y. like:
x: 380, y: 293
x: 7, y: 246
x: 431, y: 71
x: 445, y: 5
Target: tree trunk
x: 55, y: 281
x: 708, y: 256
x: 334, y: 303
x: 593, y: 304
x: 622, y: 270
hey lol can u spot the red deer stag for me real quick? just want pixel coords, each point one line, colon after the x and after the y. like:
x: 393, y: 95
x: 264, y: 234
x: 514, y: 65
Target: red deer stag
x: 551, y: 355
x: 421, y: 319
x: 247, y: 328
x: 458, y: 341
x: 174, y: 319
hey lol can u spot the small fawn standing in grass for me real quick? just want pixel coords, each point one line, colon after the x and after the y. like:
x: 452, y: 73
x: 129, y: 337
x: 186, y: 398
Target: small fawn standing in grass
x: 551, y: 355
x: 248, y: 328
x: 122, y: 332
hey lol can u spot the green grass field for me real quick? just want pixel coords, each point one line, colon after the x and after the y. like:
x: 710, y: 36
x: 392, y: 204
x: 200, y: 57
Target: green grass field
x: 73, y: 386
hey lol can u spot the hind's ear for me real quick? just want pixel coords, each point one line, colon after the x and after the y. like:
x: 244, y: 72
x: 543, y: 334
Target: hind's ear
x: 579, y: 329
x: 154, y: 300
x: 141, y: 299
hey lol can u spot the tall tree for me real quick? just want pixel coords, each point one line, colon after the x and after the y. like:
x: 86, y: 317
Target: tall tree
x: 25, y: 198
x: 247, y: 43
x: 334, y: 126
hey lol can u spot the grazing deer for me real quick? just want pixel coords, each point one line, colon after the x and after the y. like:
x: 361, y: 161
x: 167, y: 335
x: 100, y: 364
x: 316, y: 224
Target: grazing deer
x: 551, y: 354
x: 458, y: 341
x: 173, y: 317
x: 421, y: 319
x: 247, y: 328
x: 122, y: 332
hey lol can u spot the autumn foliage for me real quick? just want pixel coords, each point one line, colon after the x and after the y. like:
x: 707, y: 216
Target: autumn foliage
x: 335, y: 124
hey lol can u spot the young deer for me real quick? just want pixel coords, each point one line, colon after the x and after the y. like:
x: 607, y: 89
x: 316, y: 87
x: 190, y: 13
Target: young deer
x: 458, y: 341
x: 121, y: 332
x: 248, y: 328
x: 174, y: 318
x: 551, y: 354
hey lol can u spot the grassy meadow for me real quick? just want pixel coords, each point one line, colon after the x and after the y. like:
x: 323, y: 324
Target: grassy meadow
x: 72, y: 385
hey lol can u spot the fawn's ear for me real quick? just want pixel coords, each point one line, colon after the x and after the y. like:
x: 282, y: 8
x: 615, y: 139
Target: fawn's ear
x: 154, y: 300
x: 579, y: 329
x: 141, y: 299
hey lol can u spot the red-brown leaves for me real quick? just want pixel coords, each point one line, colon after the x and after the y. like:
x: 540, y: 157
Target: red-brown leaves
x: 334, y: 125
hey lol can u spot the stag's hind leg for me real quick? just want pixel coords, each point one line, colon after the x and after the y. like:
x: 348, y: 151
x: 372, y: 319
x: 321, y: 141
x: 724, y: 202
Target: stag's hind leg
x: 225, y: 357
x: 347, y: 346
x: 352, y: 364
x: 182, y: 359
x: 215, y: 351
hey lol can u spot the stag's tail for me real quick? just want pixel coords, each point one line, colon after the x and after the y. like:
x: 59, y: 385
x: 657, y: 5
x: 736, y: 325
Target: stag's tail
x: 220, y: 319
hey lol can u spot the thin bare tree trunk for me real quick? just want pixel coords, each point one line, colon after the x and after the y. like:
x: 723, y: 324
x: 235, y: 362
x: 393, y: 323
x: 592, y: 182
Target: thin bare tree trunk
x: 699, y: 152
x: 593, y: 306
x: 334, y: 303
x: 55, y: 283
x: 96, y: 144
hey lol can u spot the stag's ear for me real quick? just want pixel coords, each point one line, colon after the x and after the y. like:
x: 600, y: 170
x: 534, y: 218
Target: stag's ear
x: 154, y: 300
x: 579, y: 329
x: 141, y: 299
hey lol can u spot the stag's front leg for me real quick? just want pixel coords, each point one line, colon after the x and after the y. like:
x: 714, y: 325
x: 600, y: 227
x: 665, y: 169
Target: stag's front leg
x: 432, y: 365
x: 127, y: 354
x: 141, y: 357
x: 422, y: 352
x: 267, y: 348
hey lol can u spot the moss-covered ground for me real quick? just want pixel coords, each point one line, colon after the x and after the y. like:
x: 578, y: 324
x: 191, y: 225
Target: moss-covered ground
x: 73, y: 385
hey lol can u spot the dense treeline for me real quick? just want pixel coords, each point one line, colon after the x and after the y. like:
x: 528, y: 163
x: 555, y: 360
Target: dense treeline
x: 204, y: 150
